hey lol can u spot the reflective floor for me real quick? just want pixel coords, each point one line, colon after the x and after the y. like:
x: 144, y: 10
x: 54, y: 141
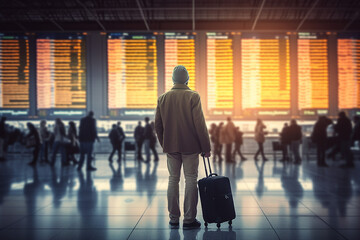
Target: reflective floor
x: 128, y: 201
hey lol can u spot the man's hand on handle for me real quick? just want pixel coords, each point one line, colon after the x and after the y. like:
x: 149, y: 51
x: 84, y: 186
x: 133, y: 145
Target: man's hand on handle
x: 206, y: 154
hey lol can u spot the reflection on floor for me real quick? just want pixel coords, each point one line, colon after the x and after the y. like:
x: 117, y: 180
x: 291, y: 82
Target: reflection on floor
x: 128, y: 201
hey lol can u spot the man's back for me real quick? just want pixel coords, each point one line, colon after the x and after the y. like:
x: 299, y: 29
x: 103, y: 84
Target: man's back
x: 180, y: 123
x: 87, y: 129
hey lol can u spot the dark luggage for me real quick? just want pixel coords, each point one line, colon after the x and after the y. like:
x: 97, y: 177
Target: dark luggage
x: 216, y: 198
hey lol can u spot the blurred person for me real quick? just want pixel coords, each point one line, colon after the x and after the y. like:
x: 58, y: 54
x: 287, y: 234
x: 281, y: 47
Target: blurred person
x: 285, y: 142
x: 33, y: 141
x: 45, y: 136
x: 153, y: 142
x: 182, y: 133
x: 219, y: 140
x: 343, y: 129
x: 260, y: 139
x: 319, y: 137
x: 212, y: 132
x: 115, y: 142
x: 2, y: 138
x: 59, y: 139
x: 73, y: 146
x: 229, y: 136
x: 121, y: 137
x: 139, y: 139
x: 295, y: 140
x: 147, y: 138
x: 87, y: 137
x: 238, y: 142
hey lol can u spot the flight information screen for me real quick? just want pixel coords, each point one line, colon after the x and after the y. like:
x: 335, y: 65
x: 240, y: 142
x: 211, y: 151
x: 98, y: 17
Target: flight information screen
x: 349, y: 72
x: 61, y: 73
x: 132, y: 73
x: 313, y: 74
x: 14, y: 74
x: 220, y: 74
x: 265, y: 63
x: 179, y: 50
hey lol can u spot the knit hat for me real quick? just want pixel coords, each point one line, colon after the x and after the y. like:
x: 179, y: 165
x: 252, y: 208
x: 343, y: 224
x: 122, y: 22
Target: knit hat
x: 180, y: 75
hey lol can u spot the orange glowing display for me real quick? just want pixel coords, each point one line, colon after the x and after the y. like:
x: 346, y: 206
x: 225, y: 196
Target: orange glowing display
x: 14, y: 72
x: 349, y: 73
x: 313, y: 74
x: 219, y: 72
x: 132, y: 71
x: 61, y: 72
x: 179, y: 50
x: 265, y: 73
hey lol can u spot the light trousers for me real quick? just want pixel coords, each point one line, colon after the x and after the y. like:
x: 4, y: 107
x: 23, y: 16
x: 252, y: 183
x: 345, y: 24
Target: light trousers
x: 191, y: 164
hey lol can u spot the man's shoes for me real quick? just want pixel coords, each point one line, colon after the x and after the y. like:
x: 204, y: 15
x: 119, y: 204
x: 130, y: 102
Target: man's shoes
x: 174, y: 225
x: 243, y: 159
x: 156, y: 159
x: 110, y: 160
x: 195, y: 224
x: 91, y: 169
x: 265, y: 159
x: 346, y: 165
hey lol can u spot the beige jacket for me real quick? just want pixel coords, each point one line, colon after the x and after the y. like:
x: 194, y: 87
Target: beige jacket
x: 228, y: 133
x: 180, y: 123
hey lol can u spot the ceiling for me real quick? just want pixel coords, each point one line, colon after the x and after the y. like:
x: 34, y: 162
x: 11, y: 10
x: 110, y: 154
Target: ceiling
x: 179, y: 15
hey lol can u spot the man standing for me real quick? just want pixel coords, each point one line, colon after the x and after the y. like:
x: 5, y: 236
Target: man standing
x: 295, y: 140
x: 147, y: 138
x: 121, y: 138
x: 183, y: 135
x: 229, y: 138
x: 115, y: 142
x: 87, y: 136
x: 139, y: 138
x: 343, y: 128
x: 319, y: 137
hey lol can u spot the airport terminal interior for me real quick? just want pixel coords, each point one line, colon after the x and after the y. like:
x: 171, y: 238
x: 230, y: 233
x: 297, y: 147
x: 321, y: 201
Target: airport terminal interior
x: 285, y: 72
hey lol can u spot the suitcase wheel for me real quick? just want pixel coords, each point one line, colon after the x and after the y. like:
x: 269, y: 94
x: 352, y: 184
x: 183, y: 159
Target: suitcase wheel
x: 230, y: 222
x: 206, y: 224
x: 218, y: 225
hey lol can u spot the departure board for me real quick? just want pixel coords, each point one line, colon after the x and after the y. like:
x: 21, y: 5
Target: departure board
x: 14, y: 74
x: 132, y: 71
x: 349, y: 73
x: 61, y: 72
x: 179, y: 50
x: 313, y: 74
x: 219, y: 73
x: 265, y: 63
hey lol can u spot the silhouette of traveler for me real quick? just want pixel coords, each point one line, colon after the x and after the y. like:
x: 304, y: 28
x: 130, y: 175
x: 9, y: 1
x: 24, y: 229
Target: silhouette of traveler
x: 182, y: 133
x: 319, y: 137
x: 343, y: 128
x: 238, y: 143
x: 229, y: 137
x: 218, y: 142
x: 33, y: 140
x: 285, y: 142
x: 45, y: 137
x: 59, y: 136
x: 153, y: 142
x: 147, y: 138
x: 2, y: 138
x: 295, y: 138
x: 260, y: 139
x: 87, y: 136
x: 115, y: 142
x: 212, y: 132
x: 121, y: 136
x: 73, y: 146
x: 139, y: 139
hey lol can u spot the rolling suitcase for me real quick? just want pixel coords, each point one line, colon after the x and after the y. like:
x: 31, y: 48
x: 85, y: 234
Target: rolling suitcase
x: 216, y: 198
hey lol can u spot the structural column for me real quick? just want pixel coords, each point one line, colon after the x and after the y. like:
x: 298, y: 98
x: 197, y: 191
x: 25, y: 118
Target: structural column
x: 333, y: 75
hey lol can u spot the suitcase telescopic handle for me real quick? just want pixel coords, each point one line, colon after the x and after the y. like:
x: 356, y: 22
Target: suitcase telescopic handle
x: 206, y: 172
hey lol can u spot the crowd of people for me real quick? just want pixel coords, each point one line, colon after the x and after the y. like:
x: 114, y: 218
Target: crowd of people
x: 68, y: 142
